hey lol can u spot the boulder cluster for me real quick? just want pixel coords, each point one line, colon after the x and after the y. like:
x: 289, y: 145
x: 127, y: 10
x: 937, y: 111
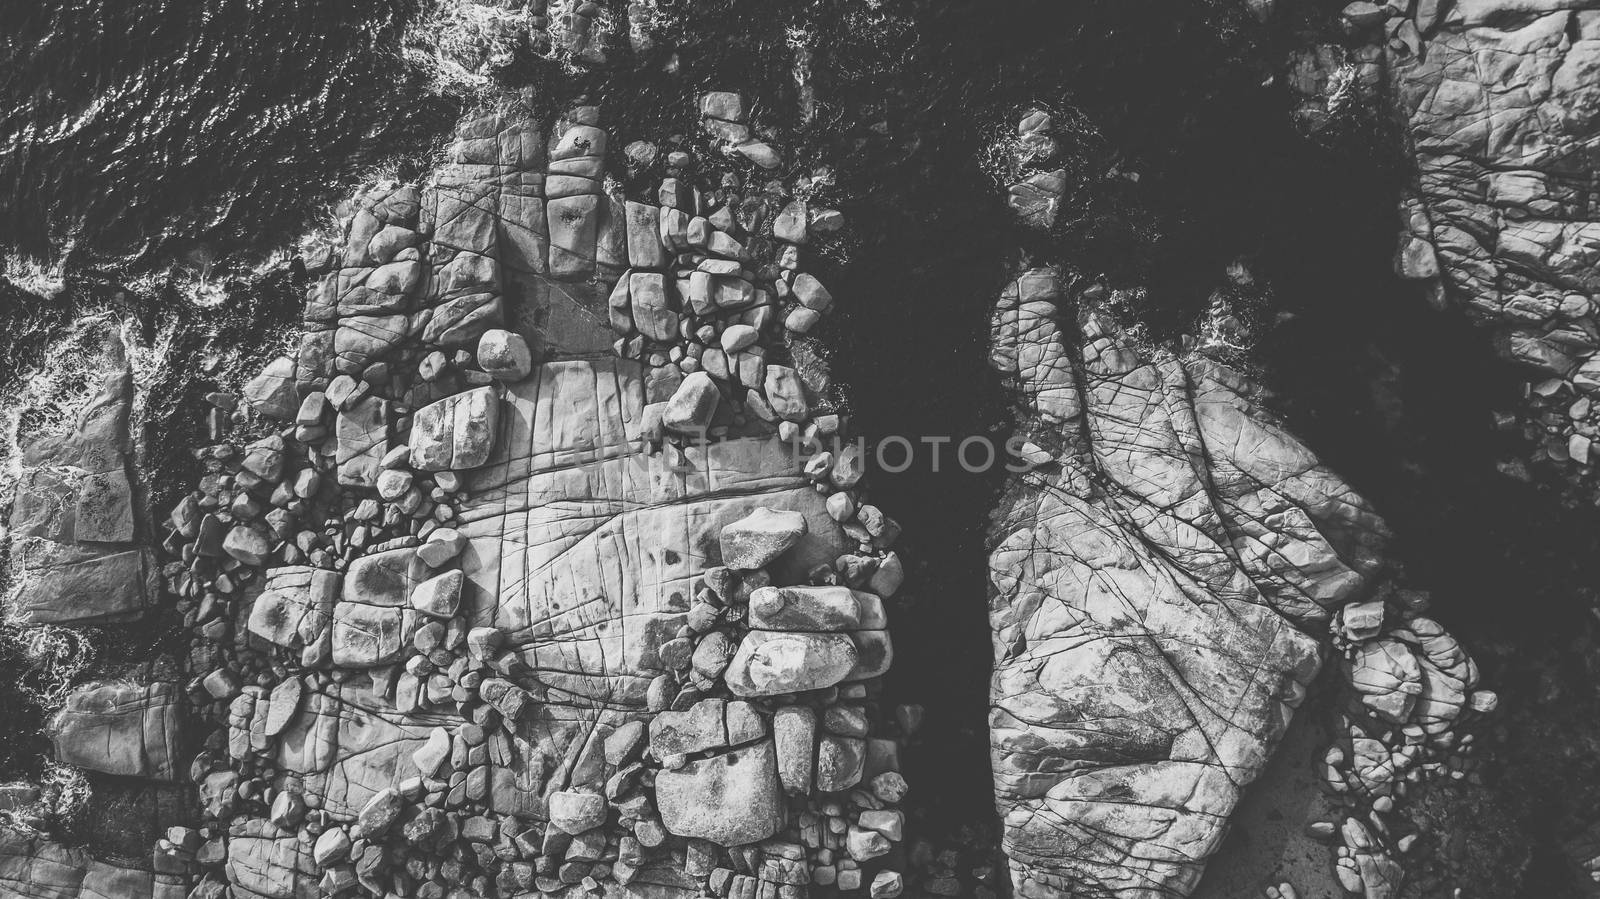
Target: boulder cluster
x: 487, y: 601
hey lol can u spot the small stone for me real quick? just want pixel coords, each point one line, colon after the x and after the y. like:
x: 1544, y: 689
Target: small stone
x: 658, y: 696
x: 397, y: 458
x: 380, y: 812
x: 1361, y: 621
x: 811, y: 294
x: 790, y: 224
x: 287, y: 809
x: 272, y: 393
x: 1363, y: 14
x: 625, y: 743
x: 848, y: 468
x: 431, y: 366
x: 865, y: 845
x: 761, y: 537
x: 393, y: 484
x: 264, y: 458
x: 794, y: 729
x: 692, y: 405
x: 886, y: 885
x: 332, y: 846
x: 889, y: 822
x: 438, y: 596
x: 433, y: 753
x: 1033, y: 456
x: 712, y: 655
x: 785, y: 393
x: 841, y: 507
x: 890, y: 786
x: 801, y: 320
x: 483, y: 643
x: 640, y: 154
x: 702, y: 617
x: 826, y: 221
x: 675, y: 654
x: 650, y: 833
x: 770, y: 663
x: 886, y: 580
x: 1322, y: 830
x: 725, y: 105
x: 248, y: 545
x: 312, y: 409
x: 221, y: 684
x: 761, y: 154
x: 336, y: 880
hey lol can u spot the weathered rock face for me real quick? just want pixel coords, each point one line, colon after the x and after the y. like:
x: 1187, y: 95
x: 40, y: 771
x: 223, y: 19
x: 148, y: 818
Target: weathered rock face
x: 77, y: 522
x: 1500, y: 114
x: 1156, y: 579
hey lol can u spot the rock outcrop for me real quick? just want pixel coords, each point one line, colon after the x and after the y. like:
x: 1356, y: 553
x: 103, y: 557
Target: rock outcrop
x: 538, y: 545
x: 77, y: 540
x: 1168, y: 567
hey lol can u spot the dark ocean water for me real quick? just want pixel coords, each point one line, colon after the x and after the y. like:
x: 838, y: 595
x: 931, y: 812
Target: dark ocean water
x: 139, y: 132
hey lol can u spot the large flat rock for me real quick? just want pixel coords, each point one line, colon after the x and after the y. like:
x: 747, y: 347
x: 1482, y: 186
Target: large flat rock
x: 1155, y: 595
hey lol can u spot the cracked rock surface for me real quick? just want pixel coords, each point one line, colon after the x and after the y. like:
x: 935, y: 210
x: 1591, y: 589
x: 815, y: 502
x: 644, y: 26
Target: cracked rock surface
x: 1156, y: 585
x: 536, y: 557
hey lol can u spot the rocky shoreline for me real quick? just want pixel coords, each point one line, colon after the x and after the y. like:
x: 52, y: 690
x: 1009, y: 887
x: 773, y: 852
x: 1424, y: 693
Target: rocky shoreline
x: 543, y: 560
